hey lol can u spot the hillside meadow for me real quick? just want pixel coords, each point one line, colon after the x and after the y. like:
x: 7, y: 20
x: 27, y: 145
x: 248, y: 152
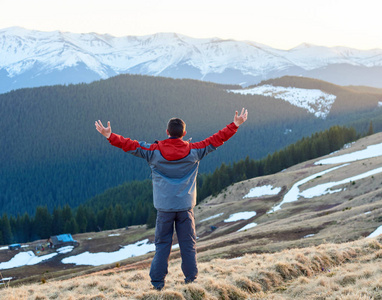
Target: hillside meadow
x: 328, y: 271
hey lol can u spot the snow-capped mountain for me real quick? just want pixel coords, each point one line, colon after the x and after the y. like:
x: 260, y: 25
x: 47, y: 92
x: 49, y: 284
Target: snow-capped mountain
x: 32, y: 58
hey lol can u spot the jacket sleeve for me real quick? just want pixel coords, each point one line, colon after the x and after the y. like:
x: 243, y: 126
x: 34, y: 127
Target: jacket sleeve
x: 139, y: 149
x: 211, y: 143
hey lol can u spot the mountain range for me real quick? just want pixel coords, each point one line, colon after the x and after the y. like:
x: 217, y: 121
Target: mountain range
x: 31, y: 58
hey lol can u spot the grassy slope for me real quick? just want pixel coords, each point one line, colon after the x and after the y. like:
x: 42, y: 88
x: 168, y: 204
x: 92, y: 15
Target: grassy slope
x: 329, y: 271
x: 270, y: 265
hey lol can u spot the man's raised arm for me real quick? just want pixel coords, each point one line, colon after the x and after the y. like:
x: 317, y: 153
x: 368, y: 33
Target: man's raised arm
x: 211, y: 143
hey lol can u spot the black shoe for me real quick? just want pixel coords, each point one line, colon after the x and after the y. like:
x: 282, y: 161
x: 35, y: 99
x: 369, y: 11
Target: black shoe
x: 158, y: 287
x: 187, y: 281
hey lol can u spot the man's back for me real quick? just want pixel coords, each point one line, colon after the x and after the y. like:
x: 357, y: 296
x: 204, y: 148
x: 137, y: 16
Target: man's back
x: 174, y: 164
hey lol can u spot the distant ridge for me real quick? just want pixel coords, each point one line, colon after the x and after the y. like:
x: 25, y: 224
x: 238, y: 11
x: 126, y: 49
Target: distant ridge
x: 31, y: 58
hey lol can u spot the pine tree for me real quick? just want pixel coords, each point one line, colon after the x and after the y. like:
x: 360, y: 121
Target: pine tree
x: 5, y: 228
x: 223, y: 176
x: 67, y: 214
x: 14, y: 229
x: 26, y: 227
x: 92, y: 222
x: 110, y: 222
x: 371, y: 130
x: 58, y: 222
x: 81, y: 219
x: 42, y: 223
x: 119, y: 216
x: 71, y: 226
x: 151, y: 220
x: 101, y: 216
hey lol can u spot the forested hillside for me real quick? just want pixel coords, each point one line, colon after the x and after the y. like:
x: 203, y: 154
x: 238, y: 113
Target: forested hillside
x: 52, y: 155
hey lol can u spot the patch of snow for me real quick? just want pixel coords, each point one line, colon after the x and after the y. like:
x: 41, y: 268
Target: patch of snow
x: 325, y: 188
x: 348, y: 145
x: 379, y: 103
x: 314, y: 101
x: 114, y: 234
x: 369, y: 152
x: 245, y: 215
x: 375, y: 233
x: 294, y: 192
x: 212, y: 217
x: 7, y: 278
x: 102, y: 258
x: 248, y: 226
x: 64, y: 250
x: 309, y: 235
x: 25, y: 259
x: 4, y: 248
x: 368, y: 212
x: 236, y: 258
x: 264, y: 190
x: 176, y: 246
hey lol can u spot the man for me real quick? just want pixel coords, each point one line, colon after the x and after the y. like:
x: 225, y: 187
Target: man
x: 174, y: 165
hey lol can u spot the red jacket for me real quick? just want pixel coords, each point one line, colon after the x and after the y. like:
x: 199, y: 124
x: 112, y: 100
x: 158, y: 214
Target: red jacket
x: 174, y: 165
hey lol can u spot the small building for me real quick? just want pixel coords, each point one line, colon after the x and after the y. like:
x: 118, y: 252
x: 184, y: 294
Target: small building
x: 14, y: 247
x: 62, y: 240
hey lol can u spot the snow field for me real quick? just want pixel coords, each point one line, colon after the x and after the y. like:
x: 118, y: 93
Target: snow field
x: 294, y: 193
x: 25, y: 259
x: 212, y: 217
x: 375, y: 233
x: 369, y: 152
x: 314, y: 101
x: 325, y: 188
x: 245, y: 215
x: 102, y: 258
x: 64, y: 250
x: 264, y: 190
x: 248, y: 226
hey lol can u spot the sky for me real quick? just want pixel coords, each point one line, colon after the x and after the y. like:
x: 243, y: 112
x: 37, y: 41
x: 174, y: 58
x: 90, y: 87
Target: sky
x: 281, y: 24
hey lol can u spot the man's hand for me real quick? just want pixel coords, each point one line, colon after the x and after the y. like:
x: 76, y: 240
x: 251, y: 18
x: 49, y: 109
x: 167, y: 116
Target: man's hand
x: 106, y: 132
x: 238, y: 120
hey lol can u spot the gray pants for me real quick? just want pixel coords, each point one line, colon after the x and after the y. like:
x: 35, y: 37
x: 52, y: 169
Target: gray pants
x: 164, y: 230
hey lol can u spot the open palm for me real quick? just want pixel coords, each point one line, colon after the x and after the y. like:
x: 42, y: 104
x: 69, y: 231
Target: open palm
x: 240, y: 119
x: 105, y: 131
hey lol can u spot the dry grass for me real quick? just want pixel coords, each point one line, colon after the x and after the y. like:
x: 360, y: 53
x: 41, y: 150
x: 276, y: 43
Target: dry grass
x: 329, y: 271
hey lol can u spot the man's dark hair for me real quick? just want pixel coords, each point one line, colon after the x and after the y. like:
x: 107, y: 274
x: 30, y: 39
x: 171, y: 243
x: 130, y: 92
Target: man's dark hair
x: 176, y: 127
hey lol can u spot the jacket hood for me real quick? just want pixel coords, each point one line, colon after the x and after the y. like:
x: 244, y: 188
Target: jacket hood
x: 174, y: 149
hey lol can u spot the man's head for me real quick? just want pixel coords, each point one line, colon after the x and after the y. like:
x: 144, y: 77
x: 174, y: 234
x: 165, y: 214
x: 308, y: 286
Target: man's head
x: 176, y: 128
